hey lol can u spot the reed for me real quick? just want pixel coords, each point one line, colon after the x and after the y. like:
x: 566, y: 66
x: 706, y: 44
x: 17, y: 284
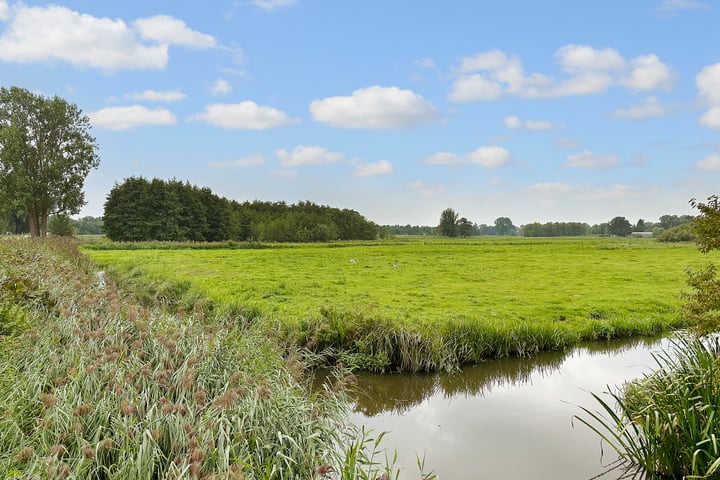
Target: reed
x: 104, y: 388
x: 666, y: 424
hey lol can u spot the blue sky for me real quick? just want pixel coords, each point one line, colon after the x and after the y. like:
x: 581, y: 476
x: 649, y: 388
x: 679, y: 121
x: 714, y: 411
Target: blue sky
x: 539, y: 111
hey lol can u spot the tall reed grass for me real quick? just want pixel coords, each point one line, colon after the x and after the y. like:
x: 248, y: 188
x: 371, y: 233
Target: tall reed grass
x: 667, y: 425
x: 103, y: 388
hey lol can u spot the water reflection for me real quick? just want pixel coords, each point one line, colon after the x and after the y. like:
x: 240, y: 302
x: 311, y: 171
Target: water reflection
x: 400, y: 392
x: 508, y: 418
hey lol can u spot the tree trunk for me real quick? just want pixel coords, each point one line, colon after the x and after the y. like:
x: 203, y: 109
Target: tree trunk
x: 43, y: 218
x: 33, y: 223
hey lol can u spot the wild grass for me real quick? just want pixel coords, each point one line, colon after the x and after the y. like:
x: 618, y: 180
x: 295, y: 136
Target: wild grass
x: 666, y: 425
x: 103, y: 388
x: 447, y: 303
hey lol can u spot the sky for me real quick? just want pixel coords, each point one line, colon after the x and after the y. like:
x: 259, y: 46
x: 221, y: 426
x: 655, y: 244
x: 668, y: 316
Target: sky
x: 555, y: 110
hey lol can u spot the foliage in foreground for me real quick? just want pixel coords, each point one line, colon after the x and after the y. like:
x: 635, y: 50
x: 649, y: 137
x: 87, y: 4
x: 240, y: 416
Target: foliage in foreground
x: 666, y: 424
x: 106, y: 389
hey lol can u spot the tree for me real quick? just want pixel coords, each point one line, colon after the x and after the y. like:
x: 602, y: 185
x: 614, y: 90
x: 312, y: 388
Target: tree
x: 61, y: 225
x: 46, y: 151
x: 620, y: 226
x: 448, y: 223
x: 702, y: 307
x: 464, y: 227
x: 504, y: 226
x: 640, y: 226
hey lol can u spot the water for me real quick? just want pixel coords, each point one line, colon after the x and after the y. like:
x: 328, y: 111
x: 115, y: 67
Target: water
x: 510, y: 418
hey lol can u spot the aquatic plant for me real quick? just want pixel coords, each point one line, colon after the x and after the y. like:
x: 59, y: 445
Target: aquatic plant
x: 667, y: 423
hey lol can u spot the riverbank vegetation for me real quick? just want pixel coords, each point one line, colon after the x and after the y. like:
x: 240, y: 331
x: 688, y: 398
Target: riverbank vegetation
x: 445, y: 304
x: 666, y: 425
x: 95, y: 386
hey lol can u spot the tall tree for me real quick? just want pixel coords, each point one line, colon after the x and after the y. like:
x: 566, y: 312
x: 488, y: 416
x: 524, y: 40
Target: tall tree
x: 620, y: 226
x: 46, y: 151
x: 504, y: 226
x: 448, y: 223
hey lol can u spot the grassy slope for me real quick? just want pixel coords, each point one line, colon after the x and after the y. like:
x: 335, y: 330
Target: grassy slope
x: 546, y: 292
x: 102, y: 388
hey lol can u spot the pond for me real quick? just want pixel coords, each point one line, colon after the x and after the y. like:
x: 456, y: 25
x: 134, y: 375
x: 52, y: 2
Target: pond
x: 506, y: 418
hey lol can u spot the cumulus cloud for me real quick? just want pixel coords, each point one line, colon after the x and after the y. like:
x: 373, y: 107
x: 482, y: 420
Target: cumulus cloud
x: 490, y: 157
x: 579, y: 192
x: 374, y: 108
x: 383, y: 167
x: 486, y: 156
x: 221, y: 87
x: 157, y: 96
x: 245, y: 162
x: 494, y: 74
x: 307, y: 155
x: 171, y: 31
x: 583, y: 58
x: 711, y: 118
x: 592, y: 160
x: 708, y: 84
x: 4, y: 10
x: 710, y: 163
x: 270, y: 5
x: 514, y: 123
x: 125, y: 118
x: 566, y: 143
x: 425, y: 63
x: 245, y: 115
x: 649, y: 108
x: 426, y: 190
x: 42, y: 34
x: 647, y: 73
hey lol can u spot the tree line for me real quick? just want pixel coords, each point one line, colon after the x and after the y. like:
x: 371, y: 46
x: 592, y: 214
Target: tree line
x: 140, y: 209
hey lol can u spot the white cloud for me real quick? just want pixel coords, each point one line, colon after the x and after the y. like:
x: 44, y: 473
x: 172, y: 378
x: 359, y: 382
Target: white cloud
x: 307, y: 155
x: 245, y: 162
x: 486, y: 156
x: 671, y: 7
x: 494, y: 74
x: 710, y: 163
x: 221, y: 87
x: 490, y: 157
x: 374, y: 108
x: 473, y: 88
x: 580, y: 192
x: 383, y: 167
x: 125, y: 118
x: 168, y: 30
x: 514, y: 123
x: 444, y: 158
x: 245, y: 115
x: 42, y: 34
x: 4, y: 10
x: 648, y: 73
x: 711, y: 118
x: 426, y: 190
x: 649, y: 108
x: 157, y: 96
x: 592, y: 160
x: 38, y: 34
x: 270, y: 5
x: 584, y: 58
x: 708, y: 83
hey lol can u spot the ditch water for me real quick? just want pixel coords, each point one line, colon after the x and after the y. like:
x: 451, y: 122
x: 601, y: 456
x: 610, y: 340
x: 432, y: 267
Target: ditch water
x: 509, y: 418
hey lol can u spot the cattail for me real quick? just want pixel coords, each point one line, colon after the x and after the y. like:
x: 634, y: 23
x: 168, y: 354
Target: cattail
x: 25, y: 454
x: 57, y: 450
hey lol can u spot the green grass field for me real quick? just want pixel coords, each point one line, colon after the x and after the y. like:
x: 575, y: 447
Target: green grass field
x: 567, y: 289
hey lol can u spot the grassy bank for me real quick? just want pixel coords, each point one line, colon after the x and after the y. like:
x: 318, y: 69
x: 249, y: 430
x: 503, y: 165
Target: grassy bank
x: 96, y: 386
x: 666, y: 424
x: 446, y: 303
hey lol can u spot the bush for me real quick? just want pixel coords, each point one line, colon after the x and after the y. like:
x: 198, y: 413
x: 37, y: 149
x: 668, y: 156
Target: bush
x: 681, y: 233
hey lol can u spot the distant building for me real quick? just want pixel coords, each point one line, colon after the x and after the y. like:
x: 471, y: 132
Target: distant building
x: 642, y: 234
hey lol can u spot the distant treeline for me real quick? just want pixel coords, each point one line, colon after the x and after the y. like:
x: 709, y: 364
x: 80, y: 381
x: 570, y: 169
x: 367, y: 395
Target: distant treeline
x: 141, y: 209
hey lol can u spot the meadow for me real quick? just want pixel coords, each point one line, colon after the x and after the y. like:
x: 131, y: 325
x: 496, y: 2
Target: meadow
x: 448, y: 302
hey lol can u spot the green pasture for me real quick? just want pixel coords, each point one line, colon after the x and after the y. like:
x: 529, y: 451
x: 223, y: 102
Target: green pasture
x: 568, y: 288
